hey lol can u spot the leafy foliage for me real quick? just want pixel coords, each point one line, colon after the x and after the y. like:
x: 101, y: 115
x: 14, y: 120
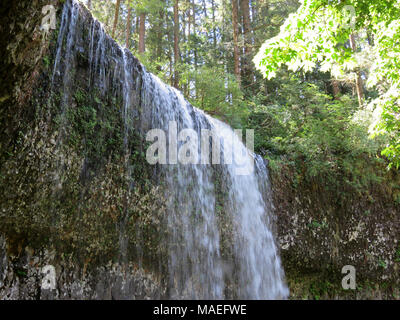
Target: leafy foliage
x: 316, y: 36
x: 318, y: 136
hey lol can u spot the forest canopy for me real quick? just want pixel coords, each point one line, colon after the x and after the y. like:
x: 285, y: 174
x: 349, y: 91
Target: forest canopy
x: 357, y: 38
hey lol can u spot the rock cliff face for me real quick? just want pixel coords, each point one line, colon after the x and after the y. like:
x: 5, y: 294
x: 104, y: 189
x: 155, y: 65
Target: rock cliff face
x: 76, y: 192
x: 321, y: 231
x: 64, y: 197
x: 24, y: 277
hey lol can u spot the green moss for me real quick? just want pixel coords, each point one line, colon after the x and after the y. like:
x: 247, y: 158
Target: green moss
x: 397, y: 255
x: 21, y: 273
x: 315, y: 286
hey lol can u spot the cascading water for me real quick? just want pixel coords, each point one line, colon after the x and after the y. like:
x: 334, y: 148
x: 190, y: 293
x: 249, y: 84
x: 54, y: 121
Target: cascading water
x: 195, y: 264
x: 67, y: 33
x: 198, y: 265
x: 195, y: 256
x: 260, y: 274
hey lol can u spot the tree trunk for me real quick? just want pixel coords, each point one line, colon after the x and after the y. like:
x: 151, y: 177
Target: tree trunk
x: 176, y: 43
x: 184, y: 25
x: 189, y: 17
x: 136, y: 43
x: 142, y: 33
x: 170, y: 52
x: 160, y: 38
x: 236, y: 54
x: 89, y: 4
x: 245, y: 6
x: 213, y: 21
x: 254, y: 10
x: 128, y: 27
x: 247, y: 69
x: 205, y: 9
x: 359, y: 82
x: 194, y: 50
x: 194, y: 30
x: 116, y: 16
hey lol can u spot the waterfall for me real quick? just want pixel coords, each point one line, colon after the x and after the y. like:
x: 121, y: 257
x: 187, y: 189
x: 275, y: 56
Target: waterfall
x: 196, y: 262
x: 202, y: 263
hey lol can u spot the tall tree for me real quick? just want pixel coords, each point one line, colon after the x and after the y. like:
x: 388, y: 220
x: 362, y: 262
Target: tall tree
x: 254, y: 9
x: 236, y: 54
x: 194, y: 30
x: 247, y: 67
x: 205, y: 9
x: 116, y: 16
x: 213, y: 9
x: 160, y: 31
x: 194, y: 51
x: 128, y: 25
x: 176, y: 44
x: 189, y: 17
x: 142, y: 32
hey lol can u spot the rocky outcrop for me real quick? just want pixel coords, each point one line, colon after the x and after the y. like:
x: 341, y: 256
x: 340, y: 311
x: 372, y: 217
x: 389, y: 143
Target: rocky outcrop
x: 24, y: 277
x: 321, y: 230
x: 65, y: 195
